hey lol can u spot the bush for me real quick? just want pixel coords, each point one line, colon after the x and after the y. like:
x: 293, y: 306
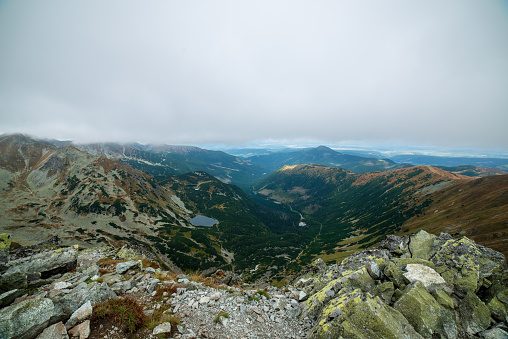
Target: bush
x: 126, y: 313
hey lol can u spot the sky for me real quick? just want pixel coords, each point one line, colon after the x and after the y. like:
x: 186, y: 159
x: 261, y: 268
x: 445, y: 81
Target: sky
x: 429, y: 72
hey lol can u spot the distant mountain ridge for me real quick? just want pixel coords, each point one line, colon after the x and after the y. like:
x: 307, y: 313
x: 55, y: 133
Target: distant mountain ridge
x: 323, y: 155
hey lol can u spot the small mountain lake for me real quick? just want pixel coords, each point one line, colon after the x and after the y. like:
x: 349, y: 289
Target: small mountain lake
x: 201, y: 220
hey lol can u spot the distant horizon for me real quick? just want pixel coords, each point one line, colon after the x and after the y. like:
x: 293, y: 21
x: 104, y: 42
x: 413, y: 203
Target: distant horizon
x: 385, y: 148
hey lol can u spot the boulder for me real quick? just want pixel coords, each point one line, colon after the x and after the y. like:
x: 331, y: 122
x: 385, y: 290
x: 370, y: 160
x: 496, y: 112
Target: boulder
x: 498, y: 306
x: 162, y: 328
x: 123, y: 267
x: 426, y: 275
x: 48, y: 263
x: 394, y: 274
x: 26, y: 319
x: 81, y: 331
x: 384, y: 291
x: 475, y: 315
x: 419, y: 308
x: 420, y: 245
x: 79, y: 315
x: 56, y: 331
x: 494, y: 333
x: 356, y: 314
x: 12, y: 280
x: 8, y: 297
x: 395, y: 244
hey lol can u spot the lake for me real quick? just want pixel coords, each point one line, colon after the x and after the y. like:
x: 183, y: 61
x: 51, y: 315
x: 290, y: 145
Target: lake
x: 201, y: 220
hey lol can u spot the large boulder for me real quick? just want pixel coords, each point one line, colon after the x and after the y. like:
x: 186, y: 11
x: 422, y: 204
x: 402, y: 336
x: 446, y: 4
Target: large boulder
x: 420, y: 245
x: 420, y: 308
x: 55, y: 331
x: 26, y: 319
x: 395, y: 244
x: 426, y: 275
x: 123, y: 267
x: 12, y: 280
x: 48, y: 263
x: 475, y: 315
x: 356, y: 314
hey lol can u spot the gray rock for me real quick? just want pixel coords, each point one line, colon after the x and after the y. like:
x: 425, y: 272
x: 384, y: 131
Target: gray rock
x: 49, y: 263
x: 150, y: 270
x: 395, y: 244
x: 162, y: 328
x: 123, y: 267
x: 56, y: 331
x: 79, y: 315
x: 26, y: 319
x: 8, y: 297
x: 494, y: 333
x: 152, y: 285
x: 12, y: 280
x: 420, y: 245
x: 475, y: 315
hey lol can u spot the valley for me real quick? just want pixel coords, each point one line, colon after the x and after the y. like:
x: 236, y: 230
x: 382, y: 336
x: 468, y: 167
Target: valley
x: 114, y: 194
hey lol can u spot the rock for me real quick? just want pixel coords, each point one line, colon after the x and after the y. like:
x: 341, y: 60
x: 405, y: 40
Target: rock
x: 56, y: 331
x: 384, y: 291
x: 357, y: 315
x: 359, y: 259
x: 443, y: 299
x: 420, y: 245
x: 498, y: 306
x: 48, y: 263
x: 231, y: 279
x: 162, y: 328
x: 81, y: 331
x: 420, y: 309
x: 394, y: 273
x: 61, y: 285
x: 395, y: 244
x: 150, y: 270
x: 464, y: 264
x: 403, y: 262
x: 8, y: 297
x: 475, y: 315
x: 26, y: 319
x: 79, y: 315
x: 153, y: 284
x: 302, y: 296
x: 494, y: 333
x: 12, y: 280
x: 123, y: 267
x: 204, y: 300
x: 426, y: 275
x: 5, y: 242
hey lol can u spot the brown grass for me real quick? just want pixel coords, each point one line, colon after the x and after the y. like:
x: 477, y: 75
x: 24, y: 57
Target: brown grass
x: 126, y: 312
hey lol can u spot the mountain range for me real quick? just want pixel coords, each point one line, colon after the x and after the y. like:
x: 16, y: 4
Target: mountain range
x: 270, y: 223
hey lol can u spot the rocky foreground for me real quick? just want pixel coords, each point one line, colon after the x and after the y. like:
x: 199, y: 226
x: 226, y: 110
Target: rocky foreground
x: 418, y: 286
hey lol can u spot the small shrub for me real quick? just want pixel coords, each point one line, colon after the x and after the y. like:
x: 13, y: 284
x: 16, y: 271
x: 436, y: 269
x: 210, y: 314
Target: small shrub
x: 263, y: 293
x: 108, y: 261
x: 159, y: 292
x: 221, y: 314
x: 125, y: 312
x: 149, y: 263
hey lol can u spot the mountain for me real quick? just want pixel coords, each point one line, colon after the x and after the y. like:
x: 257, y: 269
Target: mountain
x: 345, y: 211
x: 88, y: 199
x: 322, y: 155
x: 171, y: 160
x: 499, y: 163
x: 473, y: 171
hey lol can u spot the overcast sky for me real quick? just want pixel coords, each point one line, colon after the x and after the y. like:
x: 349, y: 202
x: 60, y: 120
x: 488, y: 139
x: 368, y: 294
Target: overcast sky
x: 195, y: 72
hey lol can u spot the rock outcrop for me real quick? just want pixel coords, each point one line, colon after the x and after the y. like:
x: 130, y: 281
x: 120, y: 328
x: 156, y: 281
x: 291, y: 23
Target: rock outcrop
x: 415, y: 286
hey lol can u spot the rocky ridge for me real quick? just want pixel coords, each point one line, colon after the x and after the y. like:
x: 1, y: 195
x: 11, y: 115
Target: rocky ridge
x: 418, y: 286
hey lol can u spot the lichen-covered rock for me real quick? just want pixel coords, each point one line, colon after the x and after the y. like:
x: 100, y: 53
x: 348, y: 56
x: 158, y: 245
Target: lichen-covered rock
x: 403, y: 262
x: 458, y: 263
x: 395, y: 244
x: 356, y: 314
x: 420, y: 308
x: 5, y: 242
x: 12, y: 280
x: 123, y: 267
x: 426, y: 275
x: 48, y: 263
x: 498, y: 306
x: 475, y: 315
x: 384, y: 291
x: 420, y: 245
x: 8, y: 297
x: 314, y: 304
x: 26, y: 319
x: 394, y: 273
x: 443, y: 299
x: 358, y: 259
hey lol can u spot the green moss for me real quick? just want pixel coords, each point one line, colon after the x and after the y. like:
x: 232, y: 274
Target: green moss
x: 5, y: 242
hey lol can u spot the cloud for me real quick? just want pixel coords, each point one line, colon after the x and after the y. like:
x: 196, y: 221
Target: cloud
x: 232, y: 72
